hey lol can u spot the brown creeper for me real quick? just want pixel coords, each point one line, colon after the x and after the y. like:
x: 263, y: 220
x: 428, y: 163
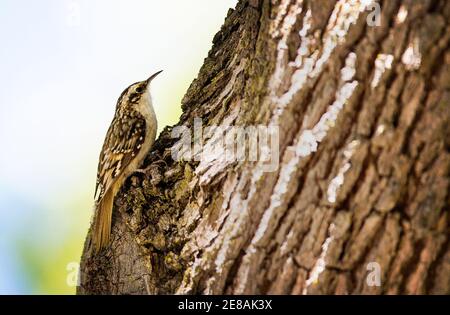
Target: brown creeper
x: 127, y: 142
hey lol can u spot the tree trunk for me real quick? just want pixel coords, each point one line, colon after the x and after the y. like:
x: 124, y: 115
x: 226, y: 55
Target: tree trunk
x: 359, y: 202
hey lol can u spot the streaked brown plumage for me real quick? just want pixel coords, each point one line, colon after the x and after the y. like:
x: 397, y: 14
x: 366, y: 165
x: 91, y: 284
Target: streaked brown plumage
x: 127, y: 142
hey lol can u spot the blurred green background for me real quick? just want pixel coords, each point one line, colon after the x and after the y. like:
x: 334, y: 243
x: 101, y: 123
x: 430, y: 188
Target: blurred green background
x: 63, y: 65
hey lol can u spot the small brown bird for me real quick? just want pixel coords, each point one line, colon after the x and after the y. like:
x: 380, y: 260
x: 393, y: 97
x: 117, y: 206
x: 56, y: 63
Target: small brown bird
x: 127, y: 142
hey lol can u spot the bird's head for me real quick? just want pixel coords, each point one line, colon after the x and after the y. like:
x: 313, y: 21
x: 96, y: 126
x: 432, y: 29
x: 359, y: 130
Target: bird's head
x: 137, y: 92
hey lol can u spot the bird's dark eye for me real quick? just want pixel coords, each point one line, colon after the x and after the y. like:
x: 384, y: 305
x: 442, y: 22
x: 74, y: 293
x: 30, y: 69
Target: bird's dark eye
x: 139, y: 89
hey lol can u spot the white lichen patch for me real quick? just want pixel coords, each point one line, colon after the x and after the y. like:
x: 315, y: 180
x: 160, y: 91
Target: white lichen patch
x: 310, y: 139
x: 349, y: 70
x: 401, y: 15
x: 380, y: 129
x: 309, y: 63
x: 279, y: 18
x: 284, y: 31
x: 276, y: 199
x: 307, y: 144
x: 304, y: 48
x: 320, y: 264
x: 338, y: 180
x: 211, y: 153
x: 412, y: 57
x: 314, y: 52
x: 345, y: 13
x: 382, y: 62
x: 284, y: 248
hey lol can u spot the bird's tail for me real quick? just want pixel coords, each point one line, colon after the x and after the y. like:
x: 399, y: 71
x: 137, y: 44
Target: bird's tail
x: 102, y: 221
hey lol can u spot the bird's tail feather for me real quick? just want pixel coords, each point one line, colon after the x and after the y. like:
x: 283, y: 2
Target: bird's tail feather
x: 102, y: 221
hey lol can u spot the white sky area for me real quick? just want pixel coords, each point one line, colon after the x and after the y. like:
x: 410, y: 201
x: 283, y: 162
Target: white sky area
x: 63, y: 64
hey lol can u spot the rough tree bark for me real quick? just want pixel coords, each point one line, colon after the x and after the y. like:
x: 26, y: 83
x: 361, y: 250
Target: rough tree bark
x: 364, y: 137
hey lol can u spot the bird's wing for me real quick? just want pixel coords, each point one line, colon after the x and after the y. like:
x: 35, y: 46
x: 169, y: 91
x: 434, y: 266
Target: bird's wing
x: 123, y: 141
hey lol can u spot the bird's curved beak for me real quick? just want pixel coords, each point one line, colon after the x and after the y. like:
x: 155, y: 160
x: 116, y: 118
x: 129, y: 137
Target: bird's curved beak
x: 153, y: 76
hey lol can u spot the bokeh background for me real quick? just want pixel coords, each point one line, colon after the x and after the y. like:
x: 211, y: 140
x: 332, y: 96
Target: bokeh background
x: 63, y: 65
